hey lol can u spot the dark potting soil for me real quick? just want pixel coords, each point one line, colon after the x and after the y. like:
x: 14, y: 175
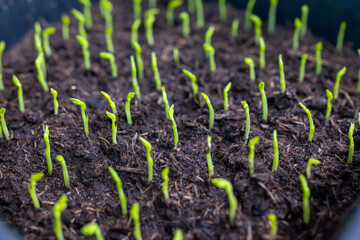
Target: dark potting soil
x: 195, y: 206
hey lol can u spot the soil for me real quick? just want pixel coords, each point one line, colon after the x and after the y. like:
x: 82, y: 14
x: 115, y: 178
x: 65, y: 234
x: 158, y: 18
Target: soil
x: 195, y: 206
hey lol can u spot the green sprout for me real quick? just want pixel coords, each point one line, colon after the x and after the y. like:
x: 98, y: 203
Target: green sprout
x: 150, y: 160
x: 170, y: 11
x: 227, y: 186
x: 264, y: 100
x: 174, y: 127
x: 247, y: 114
x: 165, y: 177
x: 306, y: 198
x: 134, y: 214
x: 311, y: 122
x: 304, y: 20
x: 208, y: 158
x: 341, y: 36
x: 226, y: 97
x: 81, y: 19
x: 302, y: 68
x: 32, y: 188
x: 17, y: 83
x: 262, y: 60
x: 329, y: 104
x: 249, y: 10
x: 258, y: 27
x: 46, y: 34
x: 166, y: 101
x: 273, y: 224
x: 92, y: 229
x: 58, y: 208
x: 252, y: 144
x: 137, y: 9
x: 184, y: 16
x: 152, y: 3
x: 156, y: 71
x: 47, y: 149
x: 250, y: 63
x: 276, y: 152
x: 139, y: 60
x: 337, y: 82
x: 149, y: 22
x: 113, y: 125
x: 127, y: 107
x: 64, y: 170
x: 134, y: 78
x: 358, y: 85
x: 120, y: 189
x: 83, y: 115
x: 3, y: 124
x: 41, y: 75
x: 272, y: 16
x: 109, y: 41
x: 37, y: 37
x: 318, y: 58
x: 222, y: 10
x: 191, y: 6
x: 111, y: 58
x: 351, y: 146
x: 200, y: 19
x: 56, y: 103
x: 85, y: 49
x: 235, y: 28
x: 209, y: 33
x: 134, y: 30
x: 178, y: 233
x: 107, y: 8
x: 2, y: 47
x: 194, y: 86
x: 282, y: 75
x: 211, y: 110
x: 298, y: 24
x: 87, y: 12
x: 176, y: 56
x: 311, y: 161
x: 210, y: 51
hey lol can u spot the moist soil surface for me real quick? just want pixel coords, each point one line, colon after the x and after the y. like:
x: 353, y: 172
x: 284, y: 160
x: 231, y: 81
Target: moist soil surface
x: 195, y: 206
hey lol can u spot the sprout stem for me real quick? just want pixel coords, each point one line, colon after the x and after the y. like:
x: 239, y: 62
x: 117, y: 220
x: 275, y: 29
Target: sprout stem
x: 83, y: 115
x: 235, y: 28
x: 134, y: 78
x: 247, y: 114
x: 85, y: 49
x: 174, y: 127
x: 134, y: 214
x: 46, y: 34
x: 351, y: 146
x: 262, y: 60
x: 258, y: 27
x: 282, y: 75
x: 92, y: 229
x: 337, y: 82
x: 252, y: 144
x: 111, y: 58
x: 3, y: 124
x: 264, y: 100
x: 170, y: 11
x: 47, y: 149
x: 226, y: 97
x: 250, y: 63
x: 304, y: 20
x: 184, y: 16
x: 18, y: 84
x: 311, y: 122
x: 276, y: 152
x: 208, y: 158
x: 120, y: 189
x: 318, y: 58
x: 150, y: 160
x: 165, y: 187
x: 56, y: 103
x: 249, y: 10
x: 298, y: 25
x: 306, y: 199
x: 2, y: 47
x: 32, y: 188
x: 64, y: 170
x: 127, y: 108
x: 113, y: 126
x: 166, y: 102
x: 176, y: 56
x: 329, y: 104
x: 273, y: 224
x: 200, y: 19
x: 272, y: 16
x: 139, y: 60
x: 341, y: 36
x: 211, y: 110
x: 222, y: 10
x: 156, y: 71
x: 302, y: 68
x: 311, y: 161
x: 58, y: 208
x: 134, y: 30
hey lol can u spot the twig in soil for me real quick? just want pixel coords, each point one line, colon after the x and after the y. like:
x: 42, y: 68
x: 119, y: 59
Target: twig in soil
x: 252, y: 144
x: 64, y: 170
x: 165, y: 100
x: 155, y: 69
x: 46, y: 34
x: 247, y: 129
x: 18, y: 84
x: 81, y: 22
x: 150, y: 160
x: 298, y: 25
x: 92, y: 229
x: 318, y: 49
x: 250, y: 63
x: 170, y: 11
x: 311, y: 122
x: 272, y: 16
x: 311, y: 161
x: 83, y: 114
x: 3, y: 128
x: 65, y: 27
x: 275, y: 164
x: 127, y: 107
x: 341, y: 36
x: 264, y: 100
x: 304, y: 20
x: 165, y: 187
x: 120, y: 189
x: 306, y: 199
x: 47, y: 150
x: 211, y: 110
x: 174, y: 127
x: 85, y: 49
x: 58, y: 208
x: 258, y: 27
x: 226, y: 97
x: 302, y: 68
x: 113, y: 126
x: 337, y: 82
x: 134, y: 78
x: 32, y: 188
x: 134, y: 30
x: 262, y: 60
x: 184, y: 16
x: 328, y: 105
x: 134, y: 214
x: 273, y: 224
x: 268, y: 192
x: 235, y: 28
x: 351, y: 145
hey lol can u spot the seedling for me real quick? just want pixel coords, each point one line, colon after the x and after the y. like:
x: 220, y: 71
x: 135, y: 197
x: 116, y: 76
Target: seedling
x: 174, y: 127
x: 64, y: 170
x: 83, y: 115
x: 166, y: 102
x: 302, y: 68
x: 47, y: 149
x: 156, y: 71
x: 276, y: 152
x: 306, y: 199
x: 32, y: 188
x: 258, y: 27
x: 304, y: 20
x: 176, y: 56
x: 194, y: 86
x: 2, y: 47
x: 107, y: 8
x: 92, y: 229
x: 311, y: 161
x: 113, y: 126
x: 17, y: 83
x: 298, y: 24
x: 247, y: 114
x: 178, y: 235
x: 135, y: 29
x: 137, y: 9
x: 139, y: 60
x: 165, y: 177
x: 65, y: 27
x: 311, y: 122
x: 250, y: 63
x: 249, y: 10
x: 208, y: 158
x: 41, y: 75
x: 358, y: 85
x: 120, y: 189
x: 208, y: 35
x: 227, y: 186
x: 329, y: 104
x: 134, y: 78
x: 272, y: 16
x: 262, y: 60
x: 81, y: 19
x: 318, y: 58
x: 3, y: 124
x: 87, y: 12
x: 282, y: 75
x: 127, y: 107
x: 337, y: 82
x: 211, y: 110
x: 264, y: 100
x: 37, y: 37
x: 273, y: 224
x: 200, y: 19
x: 351, y: 146
x: 134, y: 214
x: 58, y: 208
x: 235, y: 28
x: 210, y: 51
x: 252, y: 144
x: 85, y: 49
x: 341, y: 36
x: 111, y: 58
x: 149, y: 22
x: 222, y: 10
x: 184, y: 16
x: 226, y: 97
x: 150, y: 160
x: 109, y: 41
x: 170, y: 11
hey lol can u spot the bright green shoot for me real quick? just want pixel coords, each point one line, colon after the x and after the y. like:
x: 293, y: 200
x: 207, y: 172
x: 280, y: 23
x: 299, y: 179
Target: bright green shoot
x: 273, y: 224
x: 46, y: 34
x: 155, y: 71
x: 329, y: 104
x: 358, y: 85
x: 258, y: 27
x: 262, y: 60
x: 210, y: 51
x: 37, y: 37
x: 120, y: 189
x: 137, y: 9
x: 250, y: 63
x: 176, y: 56
x: 135, y: 29
x: 166, y: 101
x: 194, y: 86
x: 272, y: 16
x: 252, y: 144
x: 247, y: 114
x: 174, y: 126
x: 298, y: 25
x: 32, y: 188
x: 306, y: 198
x: 139, y: 60
x: 56, y: 103
x: 81, y: 19
x: 235, y: 28
x: 165, y: 187
x: 134, y: 214
x: 337, y: 82
x: 113, y: 126
x: 134, y: 78
x: 264, y: 100
x: 170, y: 11
x: 209, y: 33
x: 226, y: 97
x: 3, y: 124
x: 83, y: 115
x: 58, y: 208
x: 107, y: 7
x: 302, y: 68
x: 184, y: 16
x: 200, y: 19
x: 150, y: 160
x: 109, y: 41
x: 87, y: 12
x: 318, y: 58
x: 311, y: 122
x: 351, y: 146
x: 111, y: 58
x: 304, y: 20
x: 85, y: 49
x: 276, y: 152
x: 92, y: 229
x: 222, y: 10
x: 2, y: 47
x: 149, y: 22
x: 127, y: 107
x: 211, y: 110
x: 227, y: 186
x: 208, y: 158
x: 178, y: 235
x: 64, y: 170
x: 282, y: 75
x: 41, y: 76
x: 17, y: 83
x: 311, y: 161
x: 341, y: 36
x: 47, y: 149
x: 249, y: 10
